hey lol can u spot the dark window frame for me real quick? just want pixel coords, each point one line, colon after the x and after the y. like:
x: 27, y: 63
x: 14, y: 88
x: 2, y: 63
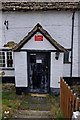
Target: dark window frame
x: 66, y: 57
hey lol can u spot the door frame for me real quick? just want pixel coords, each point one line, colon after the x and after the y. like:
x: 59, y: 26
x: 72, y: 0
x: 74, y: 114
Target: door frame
x: 49, y: 63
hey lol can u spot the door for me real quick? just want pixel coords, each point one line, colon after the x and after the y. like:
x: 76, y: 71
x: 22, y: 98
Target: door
x: 38, y: 72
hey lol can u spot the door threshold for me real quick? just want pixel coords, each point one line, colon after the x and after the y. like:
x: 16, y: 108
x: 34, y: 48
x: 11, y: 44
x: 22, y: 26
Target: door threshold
x: 38, y: 95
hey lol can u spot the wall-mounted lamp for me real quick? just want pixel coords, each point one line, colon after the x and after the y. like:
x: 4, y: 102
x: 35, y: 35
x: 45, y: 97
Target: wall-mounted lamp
x: 57, y: 55
x: 6, y: 24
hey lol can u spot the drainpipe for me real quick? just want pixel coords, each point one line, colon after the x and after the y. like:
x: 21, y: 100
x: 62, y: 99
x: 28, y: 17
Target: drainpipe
x: 72, y: 38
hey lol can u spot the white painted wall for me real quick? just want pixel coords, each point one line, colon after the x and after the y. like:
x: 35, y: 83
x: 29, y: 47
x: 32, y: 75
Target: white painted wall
x: 66, y: 70
x: 57, y: 23
x: 75, y: 47
x: 79, y: 43
x: 7, y: 73
x: 21, y: 69
x: 0, y: 28
x: 38, y: 45
x: 56, y: 70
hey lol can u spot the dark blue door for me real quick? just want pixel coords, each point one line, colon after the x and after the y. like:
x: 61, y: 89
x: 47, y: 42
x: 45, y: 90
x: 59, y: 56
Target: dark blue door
x: 38, y: 72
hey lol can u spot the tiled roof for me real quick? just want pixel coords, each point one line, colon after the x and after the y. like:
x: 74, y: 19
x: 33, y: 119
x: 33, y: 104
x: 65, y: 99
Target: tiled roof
x: 25, y: 5
x: 39, y: 28
x: 40, y: 0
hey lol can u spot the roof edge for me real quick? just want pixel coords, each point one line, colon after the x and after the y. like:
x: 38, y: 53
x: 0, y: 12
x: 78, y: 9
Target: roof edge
x: 29, y: 6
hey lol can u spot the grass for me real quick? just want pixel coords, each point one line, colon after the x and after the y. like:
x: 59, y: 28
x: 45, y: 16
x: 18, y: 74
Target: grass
x: 11, y: 102
x: 0, y: 100
x: 55, y: 110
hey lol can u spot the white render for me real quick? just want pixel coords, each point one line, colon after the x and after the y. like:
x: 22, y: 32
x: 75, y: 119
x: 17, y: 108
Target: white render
x: 57, y: 23
x: 79, y: 43
x: 59, y: 26
x: 21, y: 69
x: 55, y: 76
x: 0, y: 29
x: 66, y: 70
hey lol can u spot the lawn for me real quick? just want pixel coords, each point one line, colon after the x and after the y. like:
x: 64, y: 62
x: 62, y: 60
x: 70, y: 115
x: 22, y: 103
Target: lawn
x: 11, y: 102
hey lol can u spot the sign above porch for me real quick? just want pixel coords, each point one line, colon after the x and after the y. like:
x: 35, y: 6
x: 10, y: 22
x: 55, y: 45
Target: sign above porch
x: 38, y: 37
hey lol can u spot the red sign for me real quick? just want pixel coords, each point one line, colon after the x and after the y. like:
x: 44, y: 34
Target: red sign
x: 38, y: 38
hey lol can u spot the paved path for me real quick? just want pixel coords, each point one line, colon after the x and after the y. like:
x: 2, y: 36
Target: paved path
x: 37, y: 108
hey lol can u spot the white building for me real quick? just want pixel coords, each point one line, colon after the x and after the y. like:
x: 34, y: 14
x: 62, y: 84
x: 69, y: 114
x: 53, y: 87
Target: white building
x: 40, y: 33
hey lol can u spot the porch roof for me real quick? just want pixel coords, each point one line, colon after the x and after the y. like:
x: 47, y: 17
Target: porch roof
x: 39, y: 28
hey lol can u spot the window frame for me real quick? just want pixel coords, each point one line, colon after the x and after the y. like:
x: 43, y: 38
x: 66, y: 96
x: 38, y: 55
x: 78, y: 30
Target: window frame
x: 2, y: 58
x: 6, y: 65
x: 9, y: 58
x: 67, y: 57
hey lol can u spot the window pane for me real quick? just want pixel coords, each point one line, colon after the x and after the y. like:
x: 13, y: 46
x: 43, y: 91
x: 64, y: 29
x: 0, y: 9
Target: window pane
x: 9, y: 59
x: 1, y: 65
x: 7, y: 53
x: 10, y: 53
x: 66, y: 57
x: 9, y: 63
x: 2, y: 59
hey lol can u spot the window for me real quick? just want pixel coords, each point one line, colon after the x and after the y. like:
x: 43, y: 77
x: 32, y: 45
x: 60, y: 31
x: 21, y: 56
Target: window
x: 9, y: 59
x: 67, y: 57
x: 6, y: 59
x: 2, y: 59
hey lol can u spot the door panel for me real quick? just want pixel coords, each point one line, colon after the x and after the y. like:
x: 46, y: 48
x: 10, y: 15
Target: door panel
x: 38, y: 72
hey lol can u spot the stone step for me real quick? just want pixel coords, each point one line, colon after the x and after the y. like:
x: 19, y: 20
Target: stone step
x: 39, y: 95
x: 33, y: 114
x: 33, y: 119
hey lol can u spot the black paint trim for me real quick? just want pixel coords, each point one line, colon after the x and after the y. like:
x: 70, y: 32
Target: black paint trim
x: 20, y: 90
x: 28, y: 50
x: 55, y: 91
x: 67, y: 62
x: 25, y: 90
x: 7, y: 69
x: 6, y: 79
x: 5, y: 49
